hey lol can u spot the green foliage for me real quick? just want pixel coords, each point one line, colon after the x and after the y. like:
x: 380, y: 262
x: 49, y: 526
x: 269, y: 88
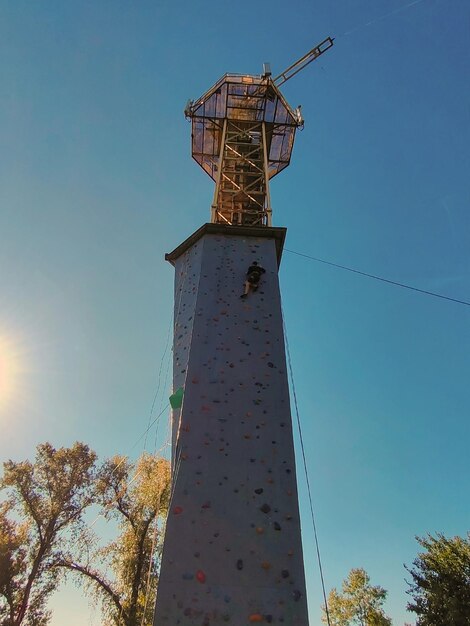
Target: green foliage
x: 45, y: 499
x: 42, y: 533
x: 359, y: 603
x: 441, y: 581
x: 137, y: 497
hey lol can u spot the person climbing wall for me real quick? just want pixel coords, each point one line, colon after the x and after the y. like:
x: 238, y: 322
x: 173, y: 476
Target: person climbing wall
x: 253, y: 276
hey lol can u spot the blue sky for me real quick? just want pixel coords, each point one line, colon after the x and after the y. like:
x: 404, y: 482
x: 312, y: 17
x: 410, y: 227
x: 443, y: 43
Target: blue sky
x: 97, y: 183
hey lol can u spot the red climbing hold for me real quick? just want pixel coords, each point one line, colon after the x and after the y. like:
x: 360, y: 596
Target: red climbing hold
x: 201, y: 577
x: 177, y: 510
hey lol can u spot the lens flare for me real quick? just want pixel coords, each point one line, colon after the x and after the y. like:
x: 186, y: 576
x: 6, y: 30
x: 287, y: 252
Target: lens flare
x: 10, y: 369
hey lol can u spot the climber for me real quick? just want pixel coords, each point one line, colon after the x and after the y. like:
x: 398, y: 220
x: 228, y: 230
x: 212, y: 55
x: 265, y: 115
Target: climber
x: 253, y: 276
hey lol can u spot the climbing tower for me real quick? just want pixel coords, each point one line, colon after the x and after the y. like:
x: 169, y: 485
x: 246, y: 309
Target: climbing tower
x: 232, y: 551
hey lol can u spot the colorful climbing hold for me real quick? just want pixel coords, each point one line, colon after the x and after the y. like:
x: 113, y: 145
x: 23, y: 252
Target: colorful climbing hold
x: 200, y: 576
x: 177, y: 510
x: 176, y: 399
x: 256, y: 617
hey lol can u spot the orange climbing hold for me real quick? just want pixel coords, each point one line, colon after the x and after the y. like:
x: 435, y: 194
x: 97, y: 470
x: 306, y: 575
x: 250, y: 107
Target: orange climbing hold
x: 256, y: 617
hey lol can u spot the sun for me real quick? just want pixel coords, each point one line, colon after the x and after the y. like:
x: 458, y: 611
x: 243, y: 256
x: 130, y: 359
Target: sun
x: 10, y: 370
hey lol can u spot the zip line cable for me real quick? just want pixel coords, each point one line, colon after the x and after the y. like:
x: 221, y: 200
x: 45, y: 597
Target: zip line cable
x: 309, y: 491
x: 380, y: 18
x: 381, y: 278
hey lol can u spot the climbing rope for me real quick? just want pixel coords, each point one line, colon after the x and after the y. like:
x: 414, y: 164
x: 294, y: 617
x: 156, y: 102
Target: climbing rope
x: 309, y: 491
x: 159, y: 378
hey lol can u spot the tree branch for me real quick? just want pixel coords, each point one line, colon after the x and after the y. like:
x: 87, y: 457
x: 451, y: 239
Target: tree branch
x: 95, y: 577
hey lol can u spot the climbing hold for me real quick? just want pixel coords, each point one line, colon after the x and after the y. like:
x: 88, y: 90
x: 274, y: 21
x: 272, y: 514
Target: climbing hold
x: 265, y: 508
x: 277, y: 526
x: 259, y: 530
x: 177, y: 510
x: 206, y: 505
x: 296, y: 595
x: 285, y: 573
x: 266, y: 565
x: 256, y: 617
x: 259, y: 491
x: 239, y: 564
x: 201, y: 577
x: 176, y: 399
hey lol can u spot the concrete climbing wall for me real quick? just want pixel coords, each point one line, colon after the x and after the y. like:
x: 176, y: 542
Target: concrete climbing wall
x: 232, y: 551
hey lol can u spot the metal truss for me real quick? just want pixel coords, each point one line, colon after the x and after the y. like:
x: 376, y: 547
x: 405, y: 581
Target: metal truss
x: 241, y: 193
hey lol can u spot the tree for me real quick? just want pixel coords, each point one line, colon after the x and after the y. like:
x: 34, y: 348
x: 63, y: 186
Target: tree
x: 45, y: 503
x: 441, y: 581
x: 139, y: 504
x: 359, y: 603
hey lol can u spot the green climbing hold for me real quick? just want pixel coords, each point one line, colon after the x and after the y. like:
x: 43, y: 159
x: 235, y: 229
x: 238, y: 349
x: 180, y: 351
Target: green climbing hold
x: 176, y: 399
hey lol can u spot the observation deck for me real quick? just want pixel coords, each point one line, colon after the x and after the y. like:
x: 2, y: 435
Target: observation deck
x: 243, y: 133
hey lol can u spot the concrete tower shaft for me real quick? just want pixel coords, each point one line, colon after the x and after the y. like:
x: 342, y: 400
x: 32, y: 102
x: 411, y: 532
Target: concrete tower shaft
x: 232, y: 551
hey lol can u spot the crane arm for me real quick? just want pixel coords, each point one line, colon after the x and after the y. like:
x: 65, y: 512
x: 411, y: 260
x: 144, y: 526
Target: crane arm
x: 299, y: 65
